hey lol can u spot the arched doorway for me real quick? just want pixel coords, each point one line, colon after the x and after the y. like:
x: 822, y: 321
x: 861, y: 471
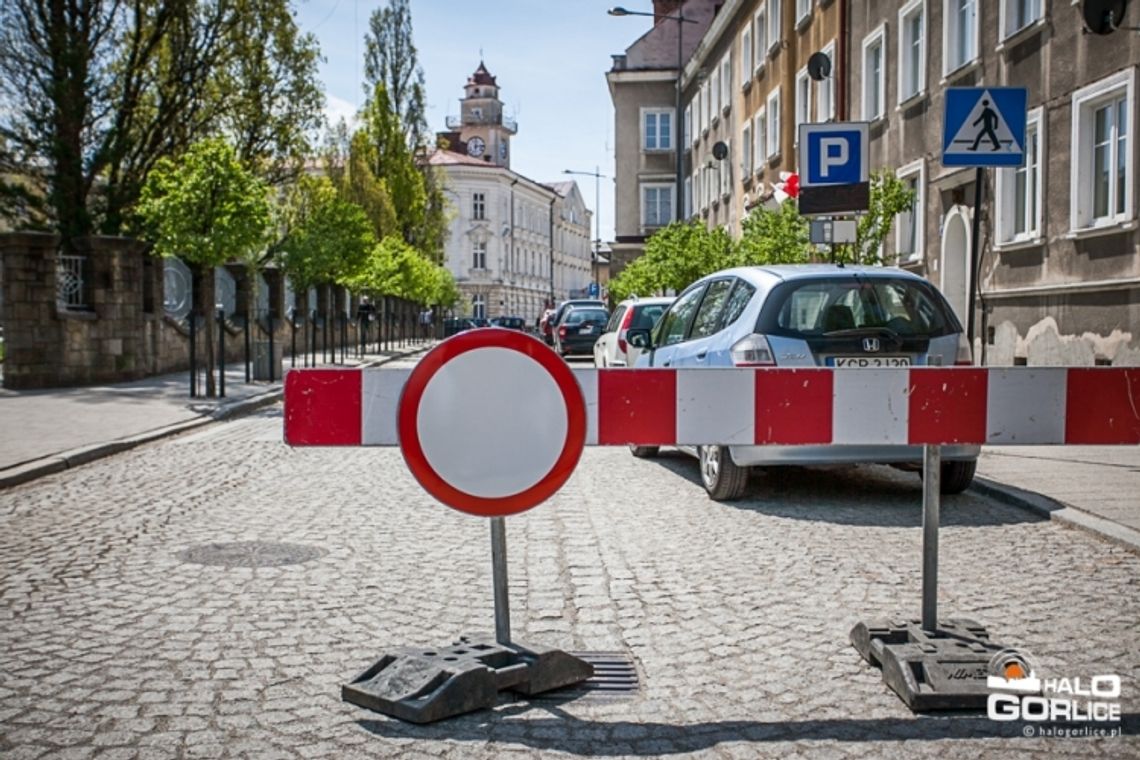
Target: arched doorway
x: 955, y: 265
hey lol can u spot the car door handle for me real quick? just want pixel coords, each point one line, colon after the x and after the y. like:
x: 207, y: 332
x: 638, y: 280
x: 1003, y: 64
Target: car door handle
x: 701, y: 356
x: 666, y: 363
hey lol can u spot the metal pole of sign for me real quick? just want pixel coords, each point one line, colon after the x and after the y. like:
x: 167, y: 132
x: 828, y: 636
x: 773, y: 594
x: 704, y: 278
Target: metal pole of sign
x: 931, y: 472
x: 499, y: 580
x: 975, y: 264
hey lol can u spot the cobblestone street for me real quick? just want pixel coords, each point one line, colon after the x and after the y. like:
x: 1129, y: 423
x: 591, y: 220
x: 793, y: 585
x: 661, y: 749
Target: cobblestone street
x: 117, y: 643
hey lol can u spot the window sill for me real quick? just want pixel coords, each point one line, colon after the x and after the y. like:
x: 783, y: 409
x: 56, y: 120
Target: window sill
x: 1019, y: 245
x: 747, y: 86
x: 774, y: 48
x: 774, y: 158
x: 803, y: 21
x: 1126, y: 225
x: 877, y: 121
x: 910, y: 260
x: 911, y: 100
x: 725, y: 109
x: 759, y: 70
x: 964, y: 69
x: 704, y: 131
x: 715, y: 121
x: 1021, y: 35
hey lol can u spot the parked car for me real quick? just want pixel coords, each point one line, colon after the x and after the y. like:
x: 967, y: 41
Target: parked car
x: 612, y: 349
x: 560, y: 312
x: 455, y: 325
x: 511, y: 323
x: 816, y: 315
x: 579, y: 330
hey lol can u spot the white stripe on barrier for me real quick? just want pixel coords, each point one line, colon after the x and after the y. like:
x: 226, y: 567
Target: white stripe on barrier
x: 870, y: 406
x: 380, y: 396
x: 716, y: 407
x: 1025, y: 406
x: 588, y: 381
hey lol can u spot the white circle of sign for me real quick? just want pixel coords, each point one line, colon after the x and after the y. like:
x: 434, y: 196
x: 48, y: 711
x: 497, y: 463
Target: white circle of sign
x: 487, y: 407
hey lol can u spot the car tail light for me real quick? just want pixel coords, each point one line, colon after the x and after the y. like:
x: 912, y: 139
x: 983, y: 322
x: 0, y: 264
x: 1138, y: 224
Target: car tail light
x: 622, y: 345
x: 965, y: 355
x: 562, y: 331
x: 752, y: 351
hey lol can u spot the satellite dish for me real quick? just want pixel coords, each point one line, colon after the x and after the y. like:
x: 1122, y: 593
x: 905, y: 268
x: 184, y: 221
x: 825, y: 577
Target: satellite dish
x: 819, y: 66
x: 1103, y: 16
x: 720, y: 151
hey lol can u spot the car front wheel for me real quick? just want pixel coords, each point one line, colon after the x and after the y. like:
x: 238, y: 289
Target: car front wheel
x: 723, y: 479
x: 643, y: 452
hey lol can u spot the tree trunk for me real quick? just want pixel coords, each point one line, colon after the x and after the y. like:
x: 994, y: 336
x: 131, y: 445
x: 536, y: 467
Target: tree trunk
x: 205, y: 298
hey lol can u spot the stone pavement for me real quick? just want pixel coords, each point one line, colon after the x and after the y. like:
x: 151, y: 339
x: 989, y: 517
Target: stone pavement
x: 121, y: 640
x: 46, y: 431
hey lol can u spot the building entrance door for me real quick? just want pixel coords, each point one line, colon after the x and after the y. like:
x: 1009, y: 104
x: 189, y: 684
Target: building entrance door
x: 955, y: 265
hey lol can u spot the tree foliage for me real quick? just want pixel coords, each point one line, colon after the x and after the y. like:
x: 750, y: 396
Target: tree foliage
x: 395, y: 268
x: 328, y: 238
x: 97, y: 92
x: 774, y: 236
x: 674, y: 257
x: 890, y: 196
x: 390, y: 59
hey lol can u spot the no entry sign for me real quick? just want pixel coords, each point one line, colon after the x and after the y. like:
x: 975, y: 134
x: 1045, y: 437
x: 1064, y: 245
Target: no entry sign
x: 491, y: 422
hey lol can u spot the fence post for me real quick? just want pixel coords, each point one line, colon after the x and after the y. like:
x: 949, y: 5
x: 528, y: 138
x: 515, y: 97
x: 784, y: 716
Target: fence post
x: 272, y: 358
x: 193, y: 354
x: 221, y: 353
x: 245, y: 329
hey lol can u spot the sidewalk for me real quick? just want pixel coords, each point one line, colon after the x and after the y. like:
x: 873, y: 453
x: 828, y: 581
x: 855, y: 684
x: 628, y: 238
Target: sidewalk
x: 47, y: 431
x: 1095, y: 488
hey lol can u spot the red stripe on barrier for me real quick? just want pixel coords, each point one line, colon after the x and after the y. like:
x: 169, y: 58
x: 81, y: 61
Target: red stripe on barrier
x: 637, y: 406
x: 793, y: 406
x: 947, y: 406
x: 322, y: 407
x: 1102, y: 406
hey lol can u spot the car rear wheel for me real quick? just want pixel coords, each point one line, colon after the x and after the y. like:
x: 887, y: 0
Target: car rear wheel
x: 956, y: 477
x: 643, y: 452
x: 723, y: 479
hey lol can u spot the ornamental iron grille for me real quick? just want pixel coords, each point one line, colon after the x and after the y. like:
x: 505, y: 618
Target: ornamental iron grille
x: 69, y: 282
x: 262, y: 297
x: 177, y: 289
x: 225, y: 291
x: 290, y: 303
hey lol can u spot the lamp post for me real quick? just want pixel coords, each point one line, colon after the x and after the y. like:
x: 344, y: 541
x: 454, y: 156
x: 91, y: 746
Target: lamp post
x: 597, y: 175
x: 677, y: 135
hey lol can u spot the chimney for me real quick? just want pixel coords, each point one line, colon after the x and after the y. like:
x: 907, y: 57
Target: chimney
x: 662, y: 8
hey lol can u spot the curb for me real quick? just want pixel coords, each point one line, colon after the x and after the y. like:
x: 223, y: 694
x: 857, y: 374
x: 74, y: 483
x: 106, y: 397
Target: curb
x: 1051, y: 509
x: 54, y: 463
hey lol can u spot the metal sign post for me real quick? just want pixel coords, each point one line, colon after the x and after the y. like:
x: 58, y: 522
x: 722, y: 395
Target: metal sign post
x: 931, y: 472
x: 499, y: 580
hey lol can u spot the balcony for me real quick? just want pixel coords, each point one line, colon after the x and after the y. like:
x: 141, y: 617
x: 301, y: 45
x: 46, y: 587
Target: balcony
x: 456, y: 122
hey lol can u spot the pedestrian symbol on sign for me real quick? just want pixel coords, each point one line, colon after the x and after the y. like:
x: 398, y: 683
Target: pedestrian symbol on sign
x: 989, y: 119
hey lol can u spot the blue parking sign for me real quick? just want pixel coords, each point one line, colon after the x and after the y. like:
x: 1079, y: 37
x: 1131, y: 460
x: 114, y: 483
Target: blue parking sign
x: 833, y: 154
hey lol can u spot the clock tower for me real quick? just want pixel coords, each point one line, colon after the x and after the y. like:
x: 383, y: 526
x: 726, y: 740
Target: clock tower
x: 482, y: 127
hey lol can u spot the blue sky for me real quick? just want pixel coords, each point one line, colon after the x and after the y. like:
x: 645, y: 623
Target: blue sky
x: 549, y: 56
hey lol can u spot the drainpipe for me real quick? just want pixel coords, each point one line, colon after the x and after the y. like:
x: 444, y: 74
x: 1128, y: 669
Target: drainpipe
x: 842, y: 69
x: 552, y: 247
x: 511, y: 250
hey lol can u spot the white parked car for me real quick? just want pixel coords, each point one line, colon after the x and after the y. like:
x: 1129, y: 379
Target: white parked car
x: 612, y: 349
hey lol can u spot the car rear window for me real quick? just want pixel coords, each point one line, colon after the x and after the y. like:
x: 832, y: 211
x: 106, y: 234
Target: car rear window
x: 824, y: 307
x: 646, y: 316
x: 578, y: 316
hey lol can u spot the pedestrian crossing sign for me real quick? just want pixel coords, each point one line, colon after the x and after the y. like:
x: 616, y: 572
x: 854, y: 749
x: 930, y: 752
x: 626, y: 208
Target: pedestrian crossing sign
x: 984, y: 126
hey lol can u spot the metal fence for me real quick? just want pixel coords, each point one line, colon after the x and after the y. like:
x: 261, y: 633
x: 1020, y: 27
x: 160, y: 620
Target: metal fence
x: 70, y: 290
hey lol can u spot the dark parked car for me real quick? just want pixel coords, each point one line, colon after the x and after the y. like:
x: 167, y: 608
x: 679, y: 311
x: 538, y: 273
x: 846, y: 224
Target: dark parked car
x: 511, y: 323
x: 579, y: 329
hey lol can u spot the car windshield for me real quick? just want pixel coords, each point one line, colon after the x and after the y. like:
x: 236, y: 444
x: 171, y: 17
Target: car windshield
x: 578, y: 316
x: 832, y: 307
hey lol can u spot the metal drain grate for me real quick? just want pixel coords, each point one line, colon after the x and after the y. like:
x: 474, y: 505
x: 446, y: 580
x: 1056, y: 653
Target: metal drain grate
x: 615, y: 674
x: 250, y: 554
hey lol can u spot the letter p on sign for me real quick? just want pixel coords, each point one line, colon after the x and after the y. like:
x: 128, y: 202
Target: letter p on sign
x: 834, y: 150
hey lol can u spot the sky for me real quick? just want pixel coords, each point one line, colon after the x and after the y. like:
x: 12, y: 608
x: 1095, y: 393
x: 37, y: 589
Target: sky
x: 550, y: 58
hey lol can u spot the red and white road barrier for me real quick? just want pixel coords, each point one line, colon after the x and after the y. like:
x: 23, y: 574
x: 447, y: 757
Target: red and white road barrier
x: 919, y: 405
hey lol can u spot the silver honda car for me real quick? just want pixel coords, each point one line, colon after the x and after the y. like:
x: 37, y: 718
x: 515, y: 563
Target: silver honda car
x: 811, y: 315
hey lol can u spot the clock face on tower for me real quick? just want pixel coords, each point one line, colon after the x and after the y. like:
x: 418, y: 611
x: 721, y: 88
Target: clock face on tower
x: 476, y: 146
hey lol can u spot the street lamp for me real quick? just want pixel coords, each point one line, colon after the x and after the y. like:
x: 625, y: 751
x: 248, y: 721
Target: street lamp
x: 677, y: 134
x: 598, y: 176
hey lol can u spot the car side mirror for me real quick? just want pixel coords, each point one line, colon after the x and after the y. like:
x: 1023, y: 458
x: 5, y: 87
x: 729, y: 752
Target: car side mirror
x: 638, y: 337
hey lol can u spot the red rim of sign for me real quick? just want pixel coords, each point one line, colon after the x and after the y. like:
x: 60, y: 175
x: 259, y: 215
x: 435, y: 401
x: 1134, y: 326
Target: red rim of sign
x: 431, y: 480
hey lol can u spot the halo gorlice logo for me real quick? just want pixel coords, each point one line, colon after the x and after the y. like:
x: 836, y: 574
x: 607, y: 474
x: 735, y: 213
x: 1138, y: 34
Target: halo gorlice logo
x: 1018, y: 693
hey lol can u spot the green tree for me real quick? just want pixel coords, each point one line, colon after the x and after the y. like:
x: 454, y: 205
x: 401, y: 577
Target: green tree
x: 206, y: 209
x: 389, y: 159
x: 328, y: 239
x: 674, y: 257
x: 890, y: 196
x: 774, y: 236
x: 390, y: 59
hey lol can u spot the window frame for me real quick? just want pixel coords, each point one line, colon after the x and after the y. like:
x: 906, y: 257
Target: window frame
x: 726, y: 83
x: 646, y: 112
x: 687, y: 130
x: 760, y: 36
x: 775, y: 24
x: 747, y: 51
x: 877, y: 35
x: 479, y: 206
x: 746, y: 160
x: 1005, y: 14
x: 951, y: 32
x: 714, y: 96
x: 801, y: 107
x: 919, y: 90
x: 670, y: 189
x: 760, y: 138
x: 826, y: 89
x: 1005, y: 191
x: 479, y: 255
x: 774, y: 119
x: 803, y: 12
x: 1085, y: 102
x: 917, y: 167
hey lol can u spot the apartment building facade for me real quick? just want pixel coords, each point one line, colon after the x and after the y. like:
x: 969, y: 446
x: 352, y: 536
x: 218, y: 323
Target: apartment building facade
x: 513, y: 243
x: 1059, y: 242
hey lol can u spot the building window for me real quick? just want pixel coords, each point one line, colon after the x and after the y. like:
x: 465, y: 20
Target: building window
x: 746, y: 151
x: 479, y: 258
x: 687, y: 136
x: 803, y: 102
x: 478, y: 206
x: 714, y: 97
x: 657, y: 132
x: 1018, y: 14
x: 688, y: 197
x: 479, y: 306
x: 761, y: 29
x: 1019, y: 190
x: 909, y: 233
x: 1102, y: 172
x: 912, y: 50
x: 959, y: 33
x: 698, y: 190
x: 775, y: 33
x: 874, y: 82
x: 774, y: 122
x: 825, y: 91
x: 656, y: 205
x: 746, y: 56
x: 699, y: 113
x: 760, y: 127
x: 726, y: 83
x: 726, y: 173
x: 803, y: 11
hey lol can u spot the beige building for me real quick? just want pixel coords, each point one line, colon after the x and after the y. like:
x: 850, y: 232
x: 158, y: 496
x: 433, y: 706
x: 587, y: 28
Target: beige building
x: 514, y: 243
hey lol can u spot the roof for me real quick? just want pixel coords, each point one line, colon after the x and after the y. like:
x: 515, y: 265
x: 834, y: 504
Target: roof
x: 452, y: 158
x: 482, y: 76
x: 562, y: 188
x: 657, y: 48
